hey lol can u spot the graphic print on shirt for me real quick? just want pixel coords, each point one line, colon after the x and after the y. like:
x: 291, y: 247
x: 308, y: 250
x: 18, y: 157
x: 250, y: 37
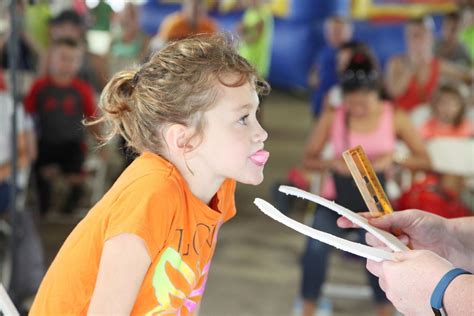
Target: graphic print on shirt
x: 174, y: 267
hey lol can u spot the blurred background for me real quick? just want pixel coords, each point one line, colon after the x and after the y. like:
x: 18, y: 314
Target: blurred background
x: 422, y: 54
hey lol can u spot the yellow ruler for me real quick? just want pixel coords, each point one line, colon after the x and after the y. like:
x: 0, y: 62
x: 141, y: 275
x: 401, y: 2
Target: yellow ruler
x: 367, y: 181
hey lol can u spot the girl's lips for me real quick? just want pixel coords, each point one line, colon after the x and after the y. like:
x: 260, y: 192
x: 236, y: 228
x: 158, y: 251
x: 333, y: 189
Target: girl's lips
x: 260, y: 157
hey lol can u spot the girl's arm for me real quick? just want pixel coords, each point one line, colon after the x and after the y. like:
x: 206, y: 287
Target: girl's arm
x: 22, y: 159
x: 419, y: 159
x: 123, y: 265
x: 318, y: 138
x: 455, y: 72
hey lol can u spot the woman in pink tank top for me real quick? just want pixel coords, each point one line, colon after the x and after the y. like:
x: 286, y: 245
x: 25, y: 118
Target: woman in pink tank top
x: 363, y: 119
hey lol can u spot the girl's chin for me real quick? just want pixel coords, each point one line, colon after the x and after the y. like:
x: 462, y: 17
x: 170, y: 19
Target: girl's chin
x: 256, y: 180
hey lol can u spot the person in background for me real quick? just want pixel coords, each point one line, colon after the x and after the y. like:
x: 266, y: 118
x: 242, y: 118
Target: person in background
x: 323, y: 73
x: 467, y: 29
x: 69, y: 24
x: 29, y: 51
x: 256, y: 32
x: 59, y: 101
x: 101, y: 16
x: 440, y: 192
x: 191, y: 20
x: 448, y: 115
x: 363, y: 119
x: 26, y: 147
x: 413, y: 77
x: 130, y: 45
x: 128, y: 48
x: 437, y: 273
x: 344, y: 55
x: 37, y: 15
x: 448, y: 46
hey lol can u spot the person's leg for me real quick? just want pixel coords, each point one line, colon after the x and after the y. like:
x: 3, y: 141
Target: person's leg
x: 42, y: 171
x: 383, y: 305
x: 315, y: 259
x: 5, y: 197
x: 72, y: 166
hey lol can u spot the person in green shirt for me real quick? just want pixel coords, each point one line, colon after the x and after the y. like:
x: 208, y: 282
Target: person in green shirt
x: 466, y: 36
x: 256, y: 31
x: 101, y: 16
x: 37, y: 16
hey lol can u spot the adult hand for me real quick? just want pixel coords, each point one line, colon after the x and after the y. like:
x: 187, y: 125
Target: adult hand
x: 410, y: 280
x: 340, y: 166
x: 421, y: 230
x: 383, y: 163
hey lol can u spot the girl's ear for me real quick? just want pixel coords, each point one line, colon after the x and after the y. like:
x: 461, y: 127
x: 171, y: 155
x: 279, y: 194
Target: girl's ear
x: 177, y: 136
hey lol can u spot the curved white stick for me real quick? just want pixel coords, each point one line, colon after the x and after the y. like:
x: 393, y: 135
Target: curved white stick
x: 340, y: 243
x: 388, y: 239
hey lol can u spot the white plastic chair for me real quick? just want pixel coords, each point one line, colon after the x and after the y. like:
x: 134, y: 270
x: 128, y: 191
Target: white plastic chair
x: 452, y: 155
x: 420, y: 115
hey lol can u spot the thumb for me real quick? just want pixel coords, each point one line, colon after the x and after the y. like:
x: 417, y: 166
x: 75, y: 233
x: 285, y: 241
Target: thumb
x: 405, y: 255
x: 394, y: 221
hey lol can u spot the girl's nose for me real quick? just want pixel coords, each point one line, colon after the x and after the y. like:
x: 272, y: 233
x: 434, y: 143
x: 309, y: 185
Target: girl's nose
x: 260, y: 134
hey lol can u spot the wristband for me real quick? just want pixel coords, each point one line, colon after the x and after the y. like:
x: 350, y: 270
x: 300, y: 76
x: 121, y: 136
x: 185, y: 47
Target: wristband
x: 438, y: 293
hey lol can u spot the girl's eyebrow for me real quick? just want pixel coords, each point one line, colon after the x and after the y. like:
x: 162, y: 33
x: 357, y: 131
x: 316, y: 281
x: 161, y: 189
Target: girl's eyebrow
x: 245, y: 107
x: 242, y: 107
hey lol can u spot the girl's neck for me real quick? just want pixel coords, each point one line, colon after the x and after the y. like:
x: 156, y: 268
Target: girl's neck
x: 201, y: 184
x: 203, y: 189
x: 373, y: 110
x: 61, y: 80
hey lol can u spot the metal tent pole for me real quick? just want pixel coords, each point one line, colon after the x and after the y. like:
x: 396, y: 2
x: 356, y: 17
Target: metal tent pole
x: 12, y: 63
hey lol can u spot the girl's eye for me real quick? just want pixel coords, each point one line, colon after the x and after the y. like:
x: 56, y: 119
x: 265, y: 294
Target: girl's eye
x: 243, y: 119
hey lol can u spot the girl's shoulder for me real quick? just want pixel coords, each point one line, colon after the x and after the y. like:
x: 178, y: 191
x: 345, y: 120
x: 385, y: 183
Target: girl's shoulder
x: 149, y: 175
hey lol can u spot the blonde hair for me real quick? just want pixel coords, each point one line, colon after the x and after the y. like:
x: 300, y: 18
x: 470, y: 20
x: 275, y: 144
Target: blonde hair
x: 177, y: 85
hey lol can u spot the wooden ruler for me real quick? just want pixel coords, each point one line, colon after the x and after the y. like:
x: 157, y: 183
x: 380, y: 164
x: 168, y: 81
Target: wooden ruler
x: 367, y: 181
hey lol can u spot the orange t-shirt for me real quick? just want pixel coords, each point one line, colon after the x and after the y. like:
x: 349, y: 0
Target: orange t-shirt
x: 176, y: 27
x: 435, y: 128
x: 151, y: 200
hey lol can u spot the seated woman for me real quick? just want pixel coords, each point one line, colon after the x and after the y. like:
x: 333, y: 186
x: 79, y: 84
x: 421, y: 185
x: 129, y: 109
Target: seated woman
x: 413, y: 77
x: 362, y: 119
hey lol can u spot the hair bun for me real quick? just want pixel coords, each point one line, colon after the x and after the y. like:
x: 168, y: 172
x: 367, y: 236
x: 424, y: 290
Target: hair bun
x: 361, y: 73
x: 359, y: 58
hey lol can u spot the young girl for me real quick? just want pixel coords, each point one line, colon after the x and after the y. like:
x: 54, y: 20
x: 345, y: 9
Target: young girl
x: 146, y: 247
x: 440, y: 193
x: 448, y: 115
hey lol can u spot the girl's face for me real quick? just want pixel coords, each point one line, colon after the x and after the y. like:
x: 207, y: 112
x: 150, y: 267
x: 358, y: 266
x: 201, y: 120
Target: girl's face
x: 361, y: 102
x: 447, y: 108
x: 233, y: 140
x: 65, y: 61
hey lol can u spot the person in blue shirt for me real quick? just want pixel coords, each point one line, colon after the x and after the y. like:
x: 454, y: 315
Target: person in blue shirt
x: 323, y: 75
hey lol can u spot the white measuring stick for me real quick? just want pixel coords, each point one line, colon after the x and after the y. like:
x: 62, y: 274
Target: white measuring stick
x: 367, y: 252
x: 388, y: 239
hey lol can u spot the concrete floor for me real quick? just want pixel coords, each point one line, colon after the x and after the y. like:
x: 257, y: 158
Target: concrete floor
x: 256, y: 269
